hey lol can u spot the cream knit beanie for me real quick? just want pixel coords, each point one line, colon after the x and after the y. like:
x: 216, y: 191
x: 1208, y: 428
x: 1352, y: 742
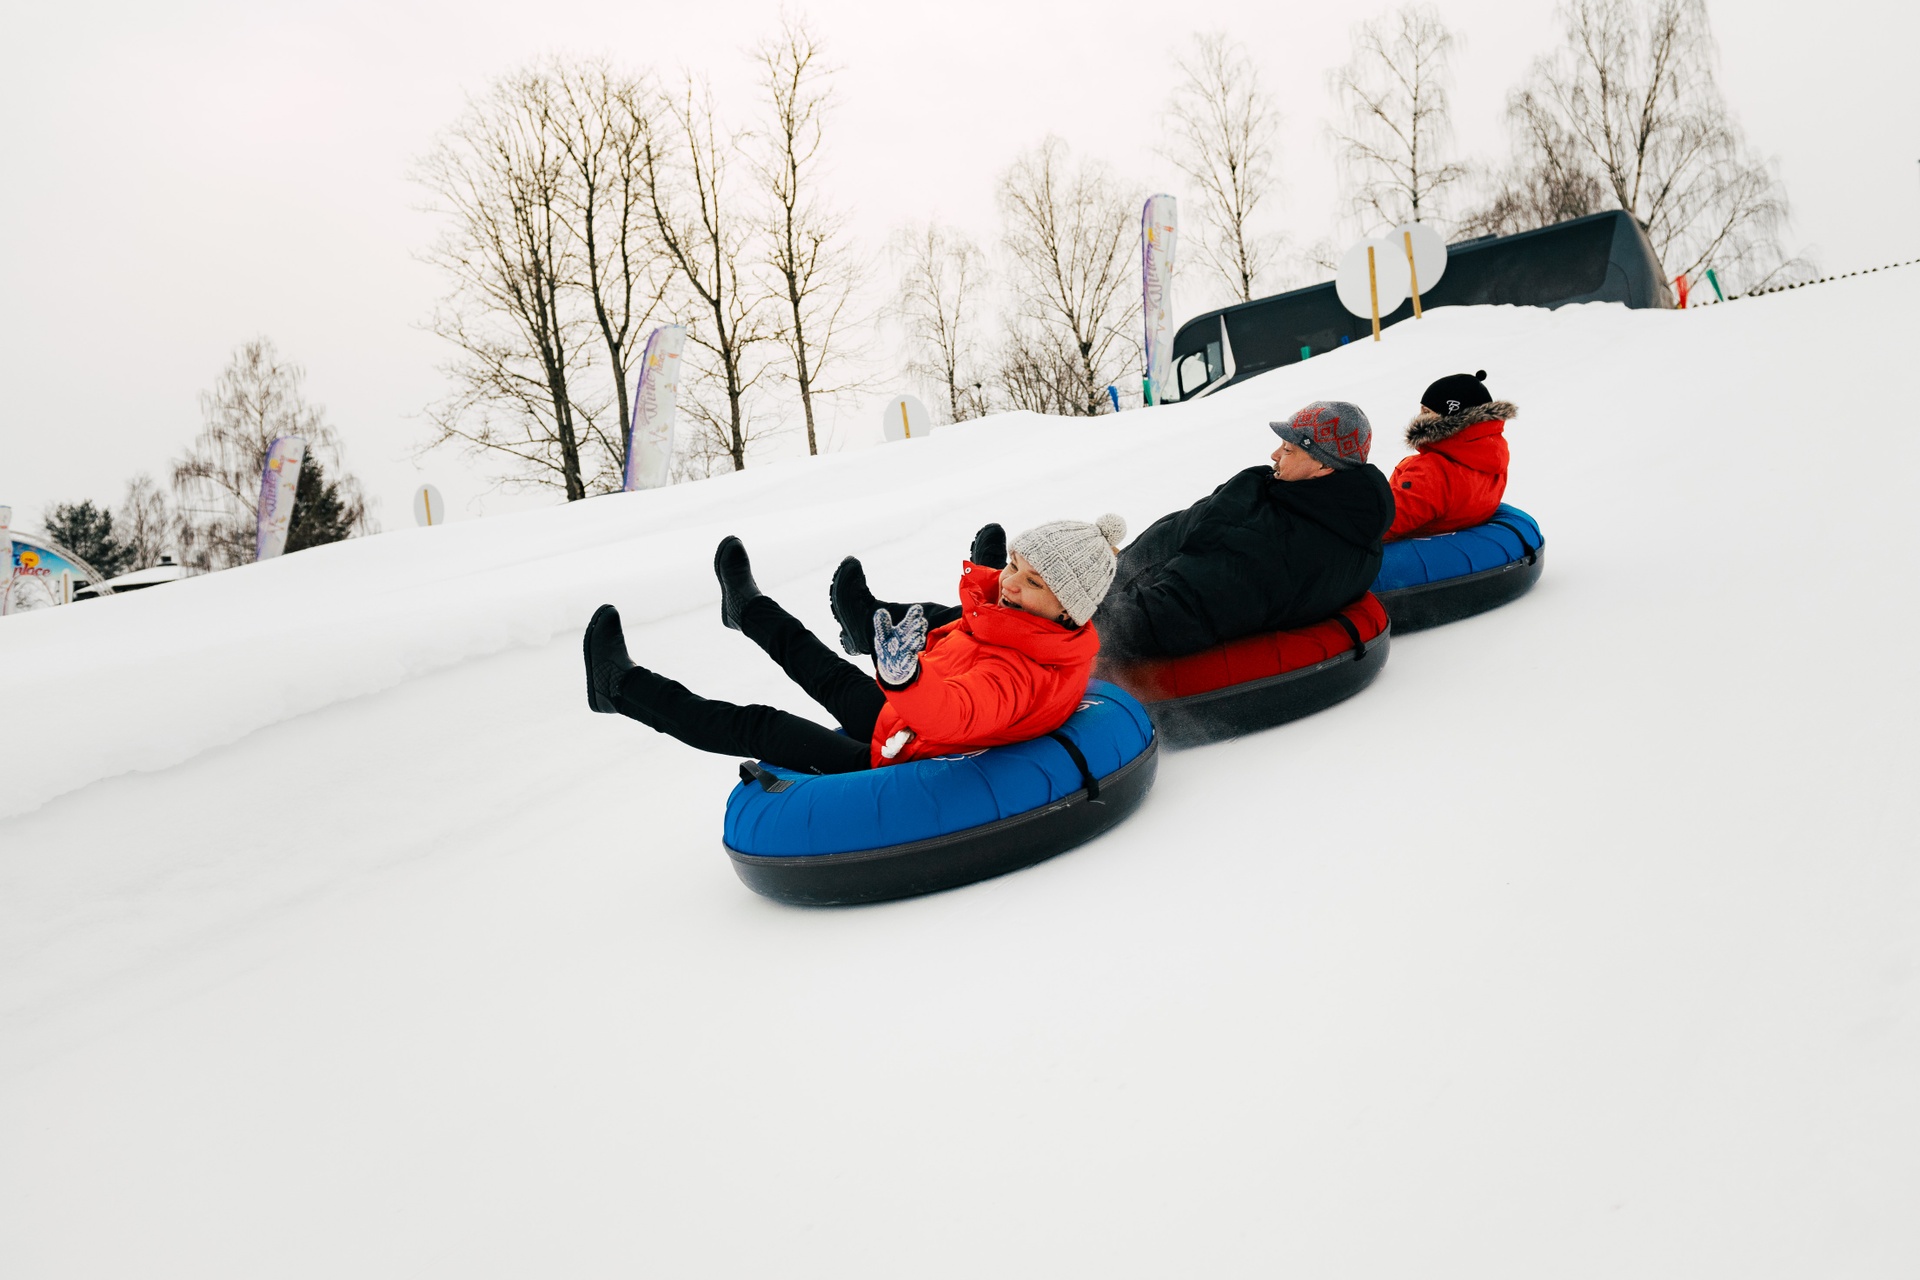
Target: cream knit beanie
x: 1076, y: 559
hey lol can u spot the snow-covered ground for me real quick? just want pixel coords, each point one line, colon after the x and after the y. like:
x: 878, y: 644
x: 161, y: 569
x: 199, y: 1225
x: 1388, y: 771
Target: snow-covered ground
x: 338, y: 938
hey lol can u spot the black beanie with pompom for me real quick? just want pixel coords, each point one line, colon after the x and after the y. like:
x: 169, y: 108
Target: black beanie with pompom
x: 1456, y: 392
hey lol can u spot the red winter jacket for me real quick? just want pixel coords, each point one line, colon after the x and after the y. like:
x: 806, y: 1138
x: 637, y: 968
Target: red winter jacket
x: 1457, y: 478
x: 996, y: 675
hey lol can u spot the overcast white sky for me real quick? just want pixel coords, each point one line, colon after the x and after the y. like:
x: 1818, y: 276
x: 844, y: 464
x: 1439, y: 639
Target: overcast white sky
x: 181, y: 177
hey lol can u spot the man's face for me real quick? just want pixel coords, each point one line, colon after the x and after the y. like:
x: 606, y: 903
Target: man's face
x: 1291, y: 462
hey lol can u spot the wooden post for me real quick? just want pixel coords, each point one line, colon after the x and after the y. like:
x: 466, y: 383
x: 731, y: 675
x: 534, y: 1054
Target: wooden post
x: 906, y: 428
x: 1413, y: 273
x: 1373, y: 291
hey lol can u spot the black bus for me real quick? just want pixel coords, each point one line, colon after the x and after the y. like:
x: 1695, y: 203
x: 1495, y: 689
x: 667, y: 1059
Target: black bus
x: 1604, y: 257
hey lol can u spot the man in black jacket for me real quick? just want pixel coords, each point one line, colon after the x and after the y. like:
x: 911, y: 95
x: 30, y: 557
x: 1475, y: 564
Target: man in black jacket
x: 1277, y: 546
x: 1274, y: 547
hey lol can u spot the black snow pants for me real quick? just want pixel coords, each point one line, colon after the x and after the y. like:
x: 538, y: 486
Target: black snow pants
x: 768, y: 733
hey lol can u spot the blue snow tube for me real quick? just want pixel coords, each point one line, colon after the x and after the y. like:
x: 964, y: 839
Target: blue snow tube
x: 1424, y: 582
x: 935, y: 824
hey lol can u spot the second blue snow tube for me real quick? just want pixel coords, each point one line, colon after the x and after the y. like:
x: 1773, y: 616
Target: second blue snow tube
x: 1424, y: 582
x: 926, y: 825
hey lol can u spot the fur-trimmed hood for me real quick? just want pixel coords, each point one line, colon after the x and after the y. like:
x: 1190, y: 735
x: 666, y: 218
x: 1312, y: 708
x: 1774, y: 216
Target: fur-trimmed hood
x: 1424, y: 430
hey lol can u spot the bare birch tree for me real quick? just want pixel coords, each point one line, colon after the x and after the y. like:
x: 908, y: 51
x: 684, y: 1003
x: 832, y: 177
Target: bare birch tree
x: 806, y: 242
x: 943, y: 277
x: 1396, y: 123
x: 216, y: 483
x: 599, y: 118
x: 1071, y: 236
x: 707, y: 235
x: 146, y: 524
x: 523, y: 341
x: 1035, y: 370
x: 1631, y: 101
x: 1545, y: 182
x: 1221, y: 128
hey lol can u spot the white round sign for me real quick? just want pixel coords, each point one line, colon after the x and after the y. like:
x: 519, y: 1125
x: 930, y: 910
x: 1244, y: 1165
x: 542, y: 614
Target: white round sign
x: 1352, y: 283
x: 429, y: 507
x: 905, y: 418
x: 1429, y: 252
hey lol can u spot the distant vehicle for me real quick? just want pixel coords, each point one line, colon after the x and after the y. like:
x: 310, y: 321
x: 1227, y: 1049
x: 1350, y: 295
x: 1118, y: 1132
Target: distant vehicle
x: 1604, y: 257
x: 138, y: 580
x: 45, y: 574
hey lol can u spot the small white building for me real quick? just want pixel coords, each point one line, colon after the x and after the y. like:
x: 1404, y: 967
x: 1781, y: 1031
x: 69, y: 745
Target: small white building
x: 138, y: 580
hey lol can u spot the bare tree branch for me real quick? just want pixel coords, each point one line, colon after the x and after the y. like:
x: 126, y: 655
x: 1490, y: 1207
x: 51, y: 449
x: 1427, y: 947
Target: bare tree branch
x: 600, y: 121
x: 147, y: 525
x: 1070, y: 236
x: 1221, y: 128
x: 216, y: 483
x: 704, y: 234
x: 806, y: 244
x: 1629, y: 106
x: 501, y: 176
x: 942, y: 277
x: 1397, y: 122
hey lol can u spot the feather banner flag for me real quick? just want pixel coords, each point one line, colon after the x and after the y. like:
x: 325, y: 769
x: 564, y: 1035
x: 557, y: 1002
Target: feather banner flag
x: 1158, y: 222
x: 650, y: 437
x: 279, y: 481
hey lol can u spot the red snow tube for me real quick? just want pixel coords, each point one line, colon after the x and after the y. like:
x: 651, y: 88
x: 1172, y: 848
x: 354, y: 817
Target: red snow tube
x: 1260, y: 681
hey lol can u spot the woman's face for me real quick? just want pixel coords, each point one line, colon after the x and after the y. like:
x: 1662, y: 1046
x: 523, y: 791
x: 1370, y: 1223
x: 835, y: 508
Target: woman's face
x: 1022, y: 588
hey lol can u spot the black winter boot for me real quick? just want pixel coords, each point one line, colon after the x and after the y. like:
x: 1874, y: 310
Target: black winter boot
x: 989, y: 547
x: 853, y: 606
x: 737, y: 586
x: 604, y: 647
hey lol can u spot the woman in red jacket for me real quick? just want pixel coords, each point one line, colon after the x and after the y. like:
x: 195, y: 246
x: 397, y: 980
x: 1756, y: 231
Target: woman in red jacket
x: 1458, y: 474
x: 1013, y: 666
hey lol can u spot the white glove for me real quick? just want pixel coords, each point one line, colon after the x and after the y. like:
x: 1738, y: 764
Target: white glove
x: 896, y: 650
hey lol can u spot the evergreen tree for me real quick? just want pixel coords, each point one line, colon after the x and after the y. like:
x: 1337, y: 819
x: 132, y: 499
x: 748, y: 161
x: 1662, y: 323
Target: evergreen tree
x: 87, y: 531
x: 320, y: 515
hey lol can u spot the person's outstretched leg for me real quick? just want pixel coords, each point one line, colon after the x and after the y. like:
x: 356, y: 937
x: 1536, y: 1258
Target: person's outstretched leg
x: 615, y: 684
x: 848, y: 693
x: 854, y: 605
x: 765, y: 733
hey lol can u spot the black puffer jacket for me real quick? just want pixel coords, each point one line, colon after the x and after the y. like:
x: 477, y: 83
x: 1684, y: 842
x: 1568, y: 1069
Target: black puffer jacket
x: 1255, y: 555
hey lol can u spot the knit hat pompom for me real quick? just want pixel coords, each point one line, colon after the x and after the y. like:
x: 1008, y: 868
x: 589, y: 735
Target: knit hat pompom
x: 1076, y: 559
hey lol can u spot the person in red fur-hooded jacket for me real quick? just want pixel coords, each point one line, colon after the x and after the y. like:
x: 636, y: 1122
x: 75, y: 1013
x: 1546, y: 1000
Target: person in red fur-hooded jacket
x: 1458, y: 472
x: 1013, y: 666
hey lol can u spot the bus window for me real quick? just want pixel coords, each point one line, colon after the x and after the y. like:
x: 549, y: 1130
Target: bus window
x: 1193, y: 374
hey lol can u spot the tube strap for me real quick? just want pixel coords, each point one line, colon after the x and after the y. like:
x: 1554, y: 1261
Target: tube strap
x: 1353, y: 634
x: 1516, y: 533
x: 1079, y: 762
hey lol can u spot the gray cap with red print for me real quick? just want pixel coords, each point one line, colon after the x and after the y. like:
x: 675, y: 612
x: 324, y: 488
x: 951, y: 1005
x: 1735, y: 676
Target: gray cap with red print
x: 1334, y: 433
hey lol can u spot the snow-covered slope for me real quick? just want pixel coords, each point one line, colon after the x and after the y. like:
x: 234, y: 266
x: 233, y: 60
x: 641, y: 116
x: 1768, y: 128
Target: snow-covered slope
x: 337, y: 937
